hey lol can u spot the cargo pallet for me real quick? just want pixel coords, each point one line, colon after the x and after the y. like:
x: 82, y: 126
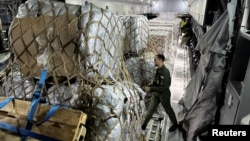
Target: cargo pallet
x: 25, y: 120
x: 66, y: 124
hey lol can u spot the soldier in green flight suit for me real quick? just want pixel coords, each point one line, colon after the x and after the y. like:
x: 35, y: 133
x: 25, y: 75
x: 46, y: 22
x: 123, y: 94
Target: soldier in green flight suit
x: 161, y: 94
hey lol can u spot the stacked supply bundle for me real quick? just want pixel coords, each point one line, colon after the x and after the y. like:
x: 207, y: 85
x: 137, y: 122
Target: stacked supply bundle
x: 135, y: 44
x: 136, y: 39
x: 116, y: 112
x: 47, y: 34
x: 101, y: 44
x: 82, y: 49
x: 142, y: 70
x: 44, y: 34
x: 158, y: 42
x: 105, y: 70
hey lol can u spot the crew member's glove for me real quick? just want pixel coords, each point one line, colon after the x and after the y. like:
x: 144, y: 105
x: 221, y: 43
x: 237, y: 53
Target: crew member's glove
x: 147, y: 89
x: 150, y: 84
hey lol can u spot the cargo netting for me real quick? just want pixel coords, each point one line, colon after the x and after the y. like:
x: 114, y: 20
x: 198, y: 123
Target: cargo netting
x: 82, y: 47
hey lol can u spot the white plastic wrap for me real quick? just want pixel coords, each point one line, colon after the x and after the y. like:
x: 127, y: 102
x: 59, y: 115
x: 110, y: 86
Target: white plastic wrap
x: 136, y: 39
x: 133, y: 66
x: 116, y: 108
x: 4, y: 60
x: 33, y: 8
x: 66, y: 95
x: 56, y: 33
x: 19, y: 87
x: 101, y: 41
x: 45, y: 34
x: 98, y: 64
x: 141, y: 70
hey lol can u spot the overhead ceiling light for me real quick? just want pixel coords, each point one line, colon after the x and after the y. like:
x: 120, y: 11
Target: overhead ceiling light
x: 141, y: 0
x: 149, y: 1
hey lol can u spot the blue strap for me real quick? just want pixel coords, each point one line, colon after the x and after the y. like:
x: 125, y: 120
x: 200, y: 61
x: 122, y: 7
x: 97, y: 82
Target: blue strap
x: 35, y: 101
x: 25, y: 132
x: 51, y: 112
x: 6, y: 101
x: 33, y: 108
x: 43, y: 76
x: 31, y: 113
x: 30, y: 122
x: 36, y: 97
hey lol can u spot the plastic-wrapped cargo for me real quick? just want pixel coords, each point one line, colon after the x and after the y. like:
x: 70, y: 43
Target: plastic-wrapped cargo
x: 74, y: 43
x: 4, y: 60
x: 21, y: 88
x: 141, y: 70
x: 136, y: 39
x: 63, y: 94
x: 134, y: 65
x: 117, y: 112
x: 101, y: 42
x: 158, y: 43
x: 45, y: 34
x: 82, y: 48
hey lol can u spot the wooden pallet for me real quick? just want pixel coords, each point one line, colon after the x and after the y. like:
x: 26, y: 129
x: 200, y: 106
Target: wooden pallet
x: 65, y: 124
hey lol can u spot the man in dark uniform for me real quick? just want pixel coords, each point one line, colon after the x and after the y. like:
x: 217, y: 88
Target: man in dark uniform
x: 161, y: 94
